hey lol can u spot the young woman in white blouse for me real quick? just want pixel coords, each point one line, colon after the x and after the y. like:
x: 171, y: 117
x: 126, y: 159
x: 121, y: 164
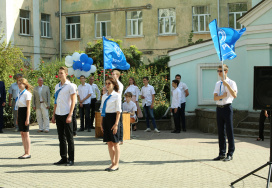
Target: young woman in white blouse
x: 135, y: 95
x: 110, y: 112
x: 23, y: 105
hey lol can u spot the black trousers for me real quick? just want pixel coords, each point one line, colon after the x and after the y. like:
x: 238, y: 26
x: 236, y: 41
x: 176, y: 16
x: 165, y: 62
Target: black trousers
x: 121, y: 128
x: 93, y: 111
x: 84, y: 115
x: 177, y: 119
x: 1, y: 117
x: 74, y: 120
x: 224, y: 118
x: 261, y: 123
x: 182, y: 115
x: 65, y: 132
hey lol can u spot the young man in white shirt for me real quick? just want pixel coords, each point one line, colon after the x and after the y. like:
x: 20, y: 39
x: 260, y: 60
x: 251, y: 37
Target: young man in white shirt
x: 84, y: 97
x: 148, y: 96
x: 184, y: 93
x: 175, y: 105
x: 65, y: 96
x: 224, y: 93
x: 130, y: 107
x: 95, y: 97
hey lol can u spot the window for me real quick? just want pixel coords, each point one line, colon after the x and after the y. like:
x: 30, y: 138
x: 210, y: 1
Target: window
x: 134, y: 23
x: 46, y: 59
x: 27, y: 61
x: 167, y: 21
x: 201, y: 19
x: 102, y: 25
x: 73, y: 27
x: 24, y: 22
x: 236, y: 11
x: 45, y: 25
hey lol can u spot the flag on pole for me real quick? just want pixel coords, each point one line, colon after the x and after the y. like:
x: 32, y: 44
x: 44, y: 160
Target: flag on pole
x: 114, y: 58
x: 224, y: 40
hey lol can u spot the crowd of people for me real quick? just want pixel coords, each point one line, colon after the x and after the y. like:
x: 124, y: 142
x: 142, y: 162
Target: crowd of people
x: 68, y: 97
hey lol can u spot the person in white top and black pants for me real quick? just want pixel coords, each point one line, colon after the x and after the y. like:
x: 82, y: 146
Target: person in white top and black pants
x: 224, y: 93
x: 22, y: 104
x: 85, y: 92
x: 65, y: 97
x: 175, y: 105
x: 110, y: 122
x: 95, y: 96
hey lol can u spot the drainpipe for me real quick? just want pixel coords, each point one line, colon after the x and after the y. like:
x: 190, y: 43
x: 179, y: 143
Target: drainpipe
x: 60, y: 53
x: 218, y: 7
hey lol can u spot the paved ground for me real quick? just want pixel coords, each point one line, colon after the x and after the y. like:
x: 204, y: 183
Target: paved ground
x: 151, y: 160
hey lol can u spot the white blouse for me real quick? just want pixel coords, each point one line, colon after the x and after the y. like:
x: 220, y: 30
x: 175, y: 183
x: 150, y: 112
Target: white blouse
x: 26, y: 96
x: 113, y: 104
x: 134, y: 90
x: 130, y: 107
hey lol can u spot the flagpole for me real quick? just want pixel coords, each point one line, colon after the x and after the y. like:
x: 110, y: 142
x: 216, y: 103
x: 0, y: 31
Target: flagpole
x: 223, y: 70
x: 103, y: 62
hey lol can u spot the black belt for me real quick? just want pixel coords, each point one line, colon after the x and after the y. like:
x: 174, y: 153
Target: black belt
x: 223, y: 106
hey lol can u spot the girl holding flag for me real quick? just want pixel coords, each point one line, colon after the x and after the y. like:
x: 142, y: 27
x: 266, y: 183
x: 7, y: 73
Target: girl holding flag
x: 110, y: 112
x: 23, y: 106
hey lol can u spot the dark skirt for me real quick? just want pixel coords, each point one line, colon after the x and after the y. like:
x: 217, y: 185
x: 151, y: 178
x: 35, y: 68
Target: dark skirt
x: 21, y: 119
x: 108, y: 122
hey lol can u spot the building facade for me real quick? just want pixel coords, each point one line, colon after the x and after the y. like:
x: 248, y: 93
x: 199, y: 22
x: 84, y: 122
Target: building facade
x: 155, y: 27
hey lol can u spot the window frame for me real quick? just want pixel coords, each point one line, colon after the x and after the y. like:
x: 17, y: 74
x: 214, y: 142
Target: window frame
x: 71, y: 27
x: 21, y: 23
x: 169, y: 17
x: 100, y: 25
x: 234, y: 16
x: 198, y: 20
x: 131, y: 25
x: 44, y: 23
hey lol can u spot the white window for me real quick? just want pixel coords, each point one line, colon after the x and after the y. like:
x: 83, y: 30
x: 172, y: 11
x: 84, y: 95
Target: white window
x: 27, y: 61
x: 201, y: 19
x: 236, y: 10
x: 24, y: 22
x: 45, y: 25
x: 102, y: 25
x: 167, y: 21
x: 134, y: 23
x: 73, y: 27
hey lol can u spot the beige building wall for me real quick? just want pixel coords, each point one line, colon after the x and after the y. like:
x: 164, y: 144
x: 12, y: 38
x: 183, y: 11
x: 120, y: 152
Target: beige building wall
x: 151, y: 43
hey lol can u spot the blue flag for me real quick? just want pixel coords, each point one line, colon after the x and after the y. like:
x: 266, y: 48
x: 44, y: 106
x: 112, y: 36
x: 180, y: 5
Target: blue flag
x: 114, y: 58
x: 224, y: 40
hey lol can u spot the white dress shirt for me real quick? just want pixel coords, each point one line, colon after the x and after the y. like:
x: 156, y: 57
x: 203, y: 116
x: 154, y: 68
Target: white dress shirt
x: 229, y: 98
x: 64, y: 98
x: 130, y: 107
x: 40, y: 92
x: 147, y: 92
x: 75, y: 87
x: 83, y: 91
x: 26, y: 96
x: 113, y: 104
x: 176, y: 98
x: 134, y: 90
x: 95, y: 90
x: 121, y: 87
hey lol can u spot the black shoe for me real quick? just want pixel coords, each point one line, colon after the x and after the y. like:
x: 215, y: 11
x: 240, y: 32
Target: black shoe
x: 107, y: 169
x: 70, y: 163
x: 219, y: 158
x: 26, y: 157
x: 1, y: 131
x: 111, y: 170
x: 86, y: 129
x: 62, y: 161
x: 74, y: 134
x: 175, y: 131
x: 228, y: 158
x: 79, y: 130
x: 259, y: 139
x: 92, y: 127
x: 89, y: 130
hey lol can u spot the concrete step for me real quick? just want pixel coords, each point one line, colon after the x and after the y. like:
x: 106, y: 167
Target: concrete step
x: 253, y: 125
x: 250, y: 136
x: 250, y: 132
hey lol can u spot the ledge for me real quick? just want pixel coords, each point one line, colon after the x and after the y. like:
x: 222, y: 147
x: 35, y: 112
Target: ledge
x: 73, y: 39
x: 131, y: 37
x: 167, y: 35
x: 21, y: 35
x: 204, y: 32
x: 46, y: 37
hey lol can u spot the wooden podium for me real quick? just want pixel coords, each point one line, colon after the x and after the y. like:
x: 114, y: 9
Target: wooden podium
x: 126, y: 126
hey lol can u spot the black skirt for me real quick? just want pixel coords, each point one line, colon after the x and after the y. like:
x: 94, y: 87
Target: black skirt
x: 21, y: 119
x: 108, y: 122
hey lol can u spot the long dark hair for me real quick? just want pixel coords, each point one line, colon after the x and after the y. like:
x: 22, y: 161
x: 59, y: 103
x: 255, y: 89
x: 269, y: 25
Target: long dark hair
x: 114, y: 82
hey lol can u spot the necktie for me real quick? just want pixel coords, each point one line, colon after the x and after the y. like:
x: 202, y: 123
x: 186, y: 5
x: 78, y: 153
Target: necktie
x: 17, y: 99
x: 57, y: 93
x: 104, y: 106
x: 220, y: 92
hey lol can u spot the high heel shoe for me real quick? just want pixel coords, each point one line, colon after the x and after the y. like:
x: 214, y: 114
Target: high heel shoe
x: 259, y: 139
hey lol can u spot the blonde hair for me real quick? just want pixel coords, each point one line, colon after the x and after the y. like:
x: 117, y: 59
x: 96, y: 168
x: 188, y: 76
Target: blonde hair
x: 25, y: 82
x: 117, y: 72
x: 225, y: 67
x: 128, y: 94
x: 64, y: 68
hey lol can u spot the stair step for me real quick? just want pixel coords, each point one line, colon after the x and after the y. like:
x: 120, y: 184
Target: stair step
x: 253, y: 125
x: 250, y: 132
x: 249, y: 136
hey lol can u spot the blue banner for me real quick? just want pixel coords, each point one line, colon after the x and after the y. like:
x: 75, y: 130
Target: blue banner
x: 114, y: 58
x: 224, y: 40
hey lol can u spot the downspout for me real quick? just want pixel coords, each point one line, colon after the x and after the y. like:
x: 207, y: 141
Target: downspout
x: 218, y: 7
x: 60, y: 53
